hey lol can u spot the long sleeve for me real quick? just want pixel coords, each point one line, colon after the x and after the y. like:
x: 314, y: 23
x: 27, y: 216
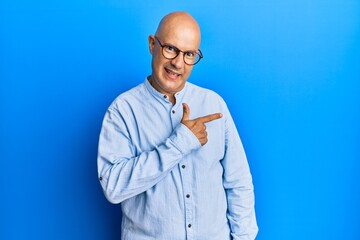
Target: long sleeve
x: 123, y: 172
x: 237, y: 181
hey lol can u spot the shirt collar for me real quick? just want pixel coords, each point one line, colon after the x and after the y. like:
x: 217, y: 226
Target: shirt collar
x: 178, y: 96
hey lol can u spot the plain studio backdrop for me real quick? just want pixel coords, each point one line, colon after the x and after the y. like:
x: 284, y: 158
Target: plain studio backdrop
x: 289, y: 71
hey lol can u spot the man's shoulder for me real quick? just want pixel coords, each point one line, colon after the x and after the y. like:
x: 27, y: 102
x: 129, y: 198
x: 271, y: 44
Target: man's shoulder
x: 134, y: 94
x: 196, y: 90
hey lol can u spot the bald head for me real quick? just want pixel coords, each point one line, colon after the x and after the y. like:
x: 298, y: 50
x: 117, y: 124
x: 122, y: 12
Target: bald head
x: 178, y: 33
x: 181, y: 23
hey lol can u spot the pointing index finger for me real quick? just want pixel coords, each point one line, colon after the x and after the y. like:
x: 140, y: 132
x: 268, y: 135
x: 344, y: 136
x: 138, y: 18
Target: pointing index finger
x: 210, y: 117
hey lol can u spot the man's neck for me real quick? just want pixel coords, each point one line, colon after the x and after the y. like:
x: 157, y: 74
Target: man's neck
x: 171, y: 96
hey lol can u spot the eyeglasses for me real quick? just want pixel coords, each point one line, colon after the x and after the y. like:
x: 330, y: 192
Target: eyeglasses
x: 171, y: 52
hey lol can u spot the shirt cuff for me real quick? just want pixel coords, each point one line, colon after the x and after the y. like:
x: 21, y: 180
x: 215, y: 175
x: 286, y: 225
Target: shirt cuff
x: 184, y: 139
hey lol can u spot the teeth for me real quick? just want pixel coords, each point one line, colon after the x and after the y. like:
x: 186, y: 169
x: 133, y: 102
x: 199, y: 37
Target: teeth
x: 171, y: 72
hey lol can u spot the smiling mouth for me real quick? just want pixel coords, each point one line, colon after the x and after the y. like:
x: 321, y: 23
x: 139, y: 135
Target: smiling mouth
x: 172, y: 73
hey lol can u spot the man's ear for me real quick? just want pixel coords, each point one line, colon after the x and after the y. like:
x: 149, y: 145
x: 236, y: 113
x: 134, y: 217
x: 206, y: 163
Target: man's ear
x: 151, y: 43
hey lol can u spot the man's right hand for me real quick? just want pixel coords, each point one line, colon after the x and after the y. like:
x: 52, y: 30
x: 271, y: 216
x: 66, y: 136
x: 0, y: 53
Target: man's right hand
x: 197, y: 125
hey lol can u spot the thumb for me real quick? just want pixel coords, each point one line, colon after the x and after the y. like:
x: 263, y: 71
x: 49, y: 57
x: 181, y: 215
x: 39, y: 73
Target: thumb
x: 186, y: 112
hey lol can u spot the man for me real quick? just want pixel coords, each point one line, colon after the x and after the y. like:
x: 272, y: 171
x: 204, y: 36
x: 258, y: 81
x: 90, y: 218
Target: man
x: 169, y: 151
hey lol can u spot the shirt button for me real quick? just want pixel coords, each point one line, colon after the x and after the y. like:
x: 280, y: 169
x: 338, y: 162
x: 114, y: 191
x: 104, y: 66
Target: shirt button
x: 173, y: 111
x: 187, y: 195
x: 189, y: 225
x: 100, y: 178
x: 183, y: 166
x: 165, y: 96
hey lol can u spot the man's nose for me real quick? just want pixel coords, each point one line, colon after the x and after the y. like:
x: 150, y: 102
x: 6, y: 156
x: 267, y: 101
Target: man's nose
x: 178, y: 62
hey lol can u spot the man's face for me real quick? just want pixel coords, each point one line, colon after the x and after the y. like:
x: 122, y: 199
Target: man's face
x: 170, y: 76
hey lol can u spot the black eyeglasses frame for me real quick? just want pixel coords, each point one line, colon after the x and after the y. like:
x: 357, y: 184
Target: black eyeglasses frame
x: 199, y: 53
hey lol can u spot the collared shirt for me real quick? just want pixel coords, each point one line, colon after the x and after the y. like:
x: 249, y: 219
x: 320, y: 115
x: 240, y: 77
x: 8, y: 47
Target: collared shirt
x: 169, y: 186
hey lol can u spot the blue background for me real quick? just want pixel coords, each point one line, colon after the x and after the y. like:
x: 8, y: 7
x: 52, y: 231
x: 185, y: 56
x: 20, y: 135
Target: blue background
x: 289, y: 71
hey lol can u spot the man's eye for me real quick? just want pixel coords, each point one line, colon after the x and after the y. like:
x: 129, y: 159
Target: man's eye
x: 190, y: 54
x: 170, y: 48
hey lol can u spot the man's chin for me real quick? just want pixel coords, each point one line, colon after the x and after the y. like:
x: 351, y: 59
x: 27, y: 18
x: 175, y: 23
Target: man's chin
x: 173, y: 88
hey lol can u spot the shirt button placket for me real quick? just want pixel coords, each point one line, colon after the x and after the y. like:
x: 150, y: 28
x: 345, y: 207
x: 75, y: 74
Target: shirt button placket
x: 174, y: 117
x: 188, y: 201
x: 186, y: 181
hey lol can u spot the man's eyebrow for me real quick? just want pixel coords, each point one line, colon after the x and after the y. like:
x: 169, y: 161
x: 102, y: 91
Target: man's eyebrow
x: 171, y: 45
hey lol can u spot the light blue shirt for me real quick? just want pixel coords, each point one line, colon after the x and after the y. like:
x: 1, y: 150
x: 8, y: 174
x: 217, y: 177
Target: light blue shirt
x: 169, y: 186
